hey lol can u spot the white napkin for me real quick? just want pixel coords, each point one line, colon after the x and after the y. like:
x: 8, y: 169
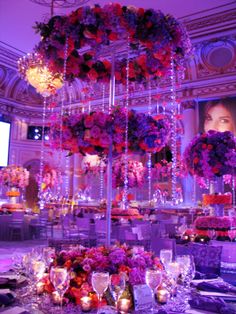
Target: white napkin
x: 15, y: 310
x: 5, y: 291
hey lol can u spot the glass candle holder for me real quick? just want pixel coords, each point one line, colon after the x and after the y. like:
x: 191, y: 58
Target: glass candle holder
x: 86, y: 304
x: 124, y: 305
x: 163, y: 296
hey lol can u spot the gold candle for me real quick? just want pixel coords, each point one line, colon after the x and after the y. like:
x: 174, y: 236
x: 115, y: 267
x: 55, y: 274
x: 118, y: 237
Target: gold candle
x: 39, y: 287
x: 124, y: 305
x: 162, y: 296
x: 86, y: 304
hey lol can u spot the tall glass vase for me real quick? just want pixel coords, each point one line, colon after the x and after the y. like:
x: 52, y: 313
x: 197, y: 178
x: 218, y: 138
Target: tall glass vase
x: 217, y: 187
x: 13, y: 195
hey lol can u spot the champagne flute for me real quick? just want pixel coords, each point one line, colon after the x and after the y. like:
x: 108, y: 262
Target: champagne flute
x: 153, y: 278
x: 59, y: 277
x: 100, y: 282
x: 117, y: 287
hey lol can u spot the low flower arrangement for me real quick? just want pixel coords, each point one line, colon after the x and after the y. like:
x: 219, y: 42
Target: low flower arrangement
x: 212, y: 199
x: 211, y: 154
x: 224, y: 227
x: 14, y: 176
x: 135, y: 173
x: 161, y: 36
x: 116, y: 259
x: 93, y: 133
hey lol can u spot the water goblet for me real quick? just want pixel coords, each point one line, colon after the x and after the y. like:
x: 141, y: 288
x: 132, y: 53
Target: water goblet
x: 60, y: 279
x: 153, y: 278
x: 100, y: 282
x: 17, y: 264
x: 117, y: 287
x: 38, y: 269
x: 166, y: 256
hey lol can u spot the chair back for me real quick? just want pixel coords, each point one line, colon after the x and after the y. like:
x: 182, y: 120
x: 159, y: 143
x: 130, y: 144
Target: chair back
x: 207, y: 258
x: 157, y: 244
x: 83, y: 224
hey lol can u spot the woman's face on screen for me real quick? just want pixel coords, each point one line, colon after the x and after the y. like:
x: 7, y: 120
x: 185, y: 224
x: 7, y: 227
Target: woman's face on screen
x: 218, y: 118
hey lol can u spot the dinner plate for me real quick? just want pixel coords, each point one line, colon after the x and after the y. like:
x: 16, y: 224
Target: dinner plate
x: 19, y: 280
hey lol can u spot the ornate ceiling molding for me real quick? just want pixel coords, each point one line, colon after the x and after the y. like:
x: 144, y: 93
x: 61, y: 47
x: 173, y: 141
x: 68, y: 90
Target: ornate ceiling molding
x: 210, y: 73
x: 213, y: 23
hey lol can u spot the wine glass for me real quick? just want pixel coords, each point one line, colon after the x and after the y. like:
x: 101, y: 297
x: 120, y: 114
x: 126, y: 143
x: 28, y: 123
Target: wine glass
x: 59, y: 277
x: 100, y: 282
x: 17, y: 263
x: 166, y: 256
x: 117, y: 287
x: 153, y: 278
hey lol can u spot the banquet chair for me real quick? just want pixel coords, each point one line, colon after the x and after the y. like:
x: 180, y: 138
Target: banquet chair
x: 100, y: 231
x: 16, y: 228
x: 207, y: 258
x: 144, y: 235
x: 39, y: 226
x: 69, y: 229
x: 83, y: 228
x: 157, y: 244
x: 130, y: 238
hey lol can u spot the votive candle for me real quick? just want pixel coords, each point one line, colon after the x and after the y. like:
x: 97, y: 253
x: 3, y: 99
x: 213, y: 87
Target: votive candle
x: 86, y: 303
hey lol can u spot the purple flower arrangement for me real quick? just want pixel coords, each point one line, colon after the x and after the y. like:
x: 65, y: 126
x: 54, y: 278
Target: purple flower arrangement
x: 116, y: 259
x: 211, y: 154
x: 93, y: 132
x: 14, y: 176
x: 162, y: 37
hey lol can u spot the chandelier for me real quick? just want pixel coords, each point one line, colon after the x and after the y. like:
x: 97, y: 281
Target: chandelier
x: 33, y: 69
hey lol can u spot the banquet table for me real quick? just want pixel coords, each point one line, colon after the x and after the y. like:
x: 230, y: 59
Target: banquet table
x: 42, y: 304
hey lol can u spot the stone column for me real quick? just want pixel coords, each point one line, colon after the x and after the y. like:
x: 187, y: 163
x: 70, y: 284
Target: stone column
x: 190, y: 130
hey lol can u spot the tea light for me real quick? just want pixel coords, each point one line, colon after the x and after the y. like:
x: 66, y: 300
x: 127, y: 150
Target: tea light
x: 86, y: 304
x: 39, y: 287
x: 202, y: 240
x: 56, y: 297
x: 124, y: 305
x: 162, y: 296
x: 185, y: 237
x: 192, y: 237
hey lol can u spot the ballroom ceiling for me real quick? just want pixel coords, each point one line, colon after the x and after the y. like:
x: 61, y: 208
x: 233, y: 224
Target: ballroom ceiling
x: 211, y: 73
x: 17, y: 17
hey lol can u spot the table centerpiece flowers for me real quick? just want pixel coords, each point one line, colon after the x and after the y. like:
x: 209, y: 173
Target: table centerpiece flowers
x: 81, y: 262
x: 14, y: 176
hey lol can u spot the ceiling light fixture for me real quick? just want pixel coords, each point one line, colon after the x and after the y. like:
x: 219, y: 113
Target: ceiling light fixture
x: 33, y: 69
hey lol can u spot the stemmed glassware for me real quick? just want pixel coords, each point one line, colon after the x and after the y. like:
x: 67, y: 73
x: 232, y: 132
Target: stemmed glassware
x: 60, y: 279
x: 166, y: 256
x: 100, y: 282
x: 117, y: 287
x: 17, y: 264
x: 153, y: 278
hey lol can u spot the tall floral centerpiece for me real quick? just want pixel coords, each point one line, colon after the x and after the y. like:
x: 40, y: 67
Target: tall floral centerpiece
x: 210, y: 156
x: 15, y: 178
